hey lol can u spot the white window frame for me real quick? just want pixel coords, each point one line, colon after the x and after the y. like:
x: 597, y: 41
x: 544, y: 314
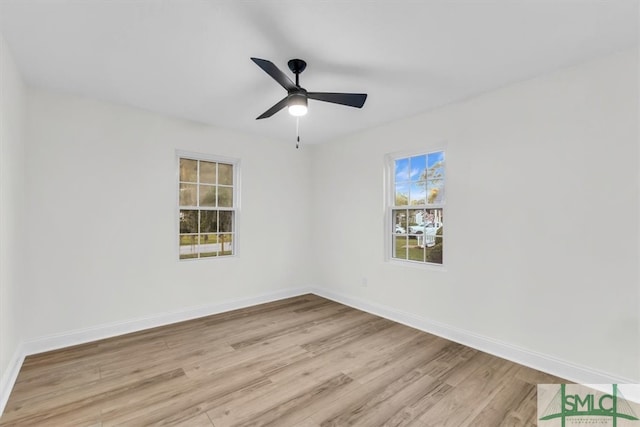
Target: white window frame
x: 179, y: 154
x: 389, y: 206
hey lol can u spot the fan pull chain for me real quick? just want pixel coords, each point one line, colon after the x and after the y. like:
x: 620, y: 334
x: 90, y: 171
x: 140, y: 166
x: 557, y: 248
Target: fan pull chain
x: 298, y: 132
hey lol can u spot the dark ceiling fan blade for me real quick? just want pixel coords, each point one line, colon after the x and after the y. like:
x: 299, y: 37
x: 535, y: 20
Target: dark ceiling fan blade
x: 350, y: 99
x: 271, y: 111
x: 270, y: 68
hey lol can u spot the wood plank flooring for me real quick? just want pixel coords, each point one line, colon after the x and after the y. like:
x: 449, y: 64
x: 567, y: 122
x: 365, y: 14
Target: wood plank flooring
x: 304, y: 361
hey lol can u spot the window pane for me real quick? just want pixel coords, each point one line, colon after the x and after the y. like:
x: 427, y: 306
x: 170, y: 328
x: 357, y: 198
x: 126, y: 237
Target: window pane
x: 428, y: 237
x: 400, y: 247
x: 401, y: 170
x: 225, y: 244
x: 436, y: 165
x: 225, y: 197
x: 435, y: 241
x: 225, y: 221
x: 416, y: 249
x: 416, y: 220
x: 208, y: 195
x: 435, y: 217
x: 208, y: 221
x: 188, y: 221
x: 400, y: 221
x: 434, y: 253
x: 225, y: 174
x: 402, y: 194
x: 418, y: 193
x: 188, y: 170
x: 207, y: 172
x: 418, y: 168
x: 435, y: 191
x: 188, y: 246
x: 208, y: 254
x: 188, y: 239
x: 208, y: 245
x: 187, y: 195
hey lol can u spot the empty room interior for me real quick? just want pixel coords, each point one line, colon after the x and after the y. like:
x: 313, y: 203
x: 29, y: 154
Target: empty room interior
x: 219, y: 213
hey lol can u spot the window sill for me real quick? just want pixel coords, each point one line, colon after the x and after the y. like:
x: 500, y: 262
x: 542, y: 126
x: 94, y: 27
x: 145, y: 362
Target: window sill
x: 417, y: 265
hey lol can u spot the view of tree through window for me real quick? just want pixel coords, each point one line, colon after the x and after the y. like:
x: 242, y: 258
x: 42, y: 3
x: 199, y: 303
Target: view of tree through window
x: 417, y: 209
x: 206, y: 198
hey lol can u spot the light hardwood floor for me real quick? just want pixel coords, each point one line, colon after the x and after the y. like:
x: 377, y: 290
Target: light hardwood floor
x: 304, y: 361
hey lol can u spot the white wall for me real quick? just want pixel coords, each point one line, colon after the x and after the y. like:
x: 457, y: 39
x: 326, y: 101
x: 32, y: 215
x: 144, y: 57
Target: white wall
x: 102, y: 218
x: 556, y: 160
x: 12, y: 117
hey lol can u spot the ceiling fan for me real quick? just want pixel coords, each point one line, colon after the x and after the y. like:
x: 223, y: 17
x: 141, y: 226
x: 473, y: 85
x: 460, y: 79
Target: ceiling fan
x: 297, y: 96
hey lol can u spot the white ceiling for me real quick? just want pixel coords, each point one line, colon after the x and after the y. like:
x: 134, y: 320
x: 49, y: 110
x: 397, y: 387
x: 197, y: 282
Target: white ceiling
x: 190, y: 58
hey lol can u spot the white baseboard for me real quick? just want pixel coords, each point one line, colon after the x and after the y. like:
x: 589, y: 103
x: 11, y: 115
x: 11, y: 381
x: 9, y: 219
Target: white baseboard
x: 85, y: 335
x: 81, y: 336
x: 10, y: 375
x: 542, y: 362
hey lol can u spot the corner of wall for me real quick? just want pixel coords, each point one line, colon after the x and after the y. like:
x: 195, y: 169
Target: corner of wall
x: 12, y: 161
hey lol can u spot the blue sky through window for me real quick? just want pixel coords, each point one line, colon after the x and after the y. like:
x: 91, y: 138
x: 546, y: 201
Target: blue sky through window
x: 418, y: 165
x: 436, y: 164
x: 402, y: 170
x: 435, y: 158
x: 413, y: 185
x: 412, y: 169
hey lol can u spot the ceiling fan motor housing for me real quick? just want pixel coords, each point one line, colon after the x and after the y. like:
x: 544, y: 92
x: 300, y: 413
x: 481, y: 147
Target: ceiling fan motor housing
x: 300, y: 93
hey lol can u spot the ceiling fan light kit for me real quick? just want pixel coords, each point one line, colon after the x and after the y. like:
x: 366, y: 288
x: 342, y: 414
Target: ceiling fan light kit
x: 297, y: 103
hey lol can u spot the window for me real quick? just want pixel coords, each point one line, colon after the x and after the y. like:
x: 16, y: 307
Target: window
x: 416, y: 208
x: 207, y: 207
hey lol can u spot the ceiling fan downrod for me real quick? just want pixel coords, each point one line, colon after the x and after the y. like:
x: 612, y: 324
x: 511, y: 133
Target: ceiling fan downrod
x: 297, y: 66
